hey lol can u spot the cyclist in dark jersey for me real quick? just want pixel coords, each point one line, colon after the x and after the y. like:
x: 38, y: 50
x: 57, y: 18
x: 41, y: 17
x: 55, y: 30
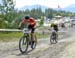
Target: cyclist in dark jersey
x: 54, y: 27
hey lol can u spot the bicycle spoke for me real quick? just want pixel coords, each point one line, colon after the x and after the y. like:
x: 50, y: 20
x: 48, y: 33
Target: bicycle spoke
x: 23, y: 45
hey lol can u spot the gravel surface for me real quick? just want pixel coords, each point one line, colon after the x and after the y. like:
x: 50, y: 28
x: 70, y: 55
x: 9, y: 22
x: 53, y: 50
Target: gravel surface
x: 63, y: 49
x: 69, y: 51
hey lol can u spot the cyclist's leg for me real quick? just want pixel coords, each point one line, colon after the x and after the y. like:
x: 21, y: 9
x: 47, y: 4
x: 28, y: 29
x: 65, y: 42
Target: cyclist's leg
x: 33, y: 34
x: 33, y: 37
x: 29, y: 28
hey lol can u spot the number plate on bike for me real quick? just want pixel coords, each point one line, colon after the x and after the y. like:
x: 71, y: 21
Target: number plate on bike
x: 26, y: 31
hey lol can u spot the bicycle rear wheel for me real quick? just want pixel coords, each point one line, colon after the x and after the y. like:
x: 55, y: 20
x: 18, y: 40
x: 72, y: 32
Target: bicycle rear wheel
x: 53, y: 38
x: 23, y: 44
x: 33, y: 43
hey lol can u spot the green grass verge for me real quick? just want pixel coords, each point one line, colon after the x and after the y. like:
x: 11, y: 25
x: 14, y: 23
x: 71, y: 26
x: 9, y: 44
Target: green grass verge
x: 10, y: 36
x: 15, y: 36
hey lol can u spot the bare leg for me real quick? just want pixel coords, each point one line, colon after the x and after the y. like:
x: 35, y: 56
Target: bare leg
x: 33, y: 37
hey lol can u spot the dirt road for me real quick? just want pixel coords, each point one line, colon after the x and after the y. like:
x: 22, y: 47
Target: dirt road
x: 43, y: 50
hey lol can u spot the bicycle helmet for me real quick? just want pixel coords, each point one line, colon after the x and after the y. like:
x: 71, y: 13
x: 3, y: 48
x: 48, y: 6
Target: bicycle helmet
x: 27, y: 17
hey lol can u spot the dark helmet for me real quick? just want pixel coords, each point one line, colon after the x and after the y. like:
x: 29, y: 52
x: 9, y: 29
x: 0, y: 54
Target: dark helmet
x: 27, y: 17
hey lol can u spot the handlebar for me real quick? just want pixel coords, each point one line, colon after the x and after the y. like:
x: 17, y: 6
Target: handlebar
x: 25, y: 30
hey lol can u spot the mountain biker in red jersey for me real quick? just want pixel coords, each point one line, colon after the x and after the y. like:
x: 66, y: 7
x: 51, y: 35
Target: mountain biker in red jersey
x: 31, y: 23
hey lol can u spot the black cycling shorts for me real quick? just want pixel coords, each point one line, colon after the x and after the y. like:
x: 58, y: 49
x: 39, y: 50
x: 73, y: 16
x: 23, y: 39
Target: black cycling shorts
x: 30, y: 27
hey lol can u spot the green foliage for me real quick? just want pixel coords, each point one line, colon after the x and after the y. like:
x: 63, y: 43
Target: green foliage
x: 10, y: 18
x: 41, y: 21
x: 36, y: 13
x: 49, y: 13
x: 15, y: 36
x: 10, y: 36
x: 8, y: 13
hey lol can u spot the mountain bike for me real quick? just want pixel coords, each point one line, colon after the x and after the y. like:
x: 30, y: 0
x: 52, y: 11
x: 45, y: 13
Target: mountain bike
x: 25, y: 41
x: 53, y: 37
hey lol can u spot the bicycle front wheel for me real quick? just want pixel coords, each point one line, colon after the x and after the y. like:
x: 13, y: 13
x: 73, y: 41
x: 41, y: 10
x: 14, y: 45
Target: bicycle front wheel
x: 53, y: 38
x: 23, y: 44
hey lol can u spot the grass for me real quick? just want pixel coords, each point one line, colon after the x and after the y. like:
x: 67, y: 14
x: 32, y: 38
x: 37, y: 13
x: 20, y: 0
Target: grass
x: 10, y: 36
x: 15, y: 36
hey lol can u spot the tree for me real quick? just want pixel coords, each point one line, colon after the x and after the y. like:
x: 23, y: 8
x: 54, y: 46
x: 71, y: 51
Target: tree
x: 36, y: 13
x: 8, y: 11
x: 41, y: 21
x: 49, y: 13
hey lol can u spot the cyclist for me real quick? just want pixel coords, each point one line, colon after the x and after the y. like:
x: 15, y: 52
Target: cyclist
x: 31, y: 23
x: 54, y: 27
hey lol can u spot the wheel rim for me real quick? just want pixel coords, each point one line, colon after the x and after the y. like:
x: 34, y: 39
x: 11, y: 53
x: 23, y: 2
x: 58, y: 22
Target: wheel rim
x: 33, y: 45
x: 23, y: 45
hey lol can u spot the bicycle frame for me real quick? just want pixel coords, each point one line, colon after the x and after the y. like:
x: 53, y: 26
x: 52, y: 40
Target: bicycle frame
x: 27, y: 33
x: 26, y: 40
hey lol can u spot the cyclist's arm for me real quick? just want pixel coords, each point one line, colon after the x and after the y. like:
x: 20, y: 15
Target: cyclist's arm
x: 22, y: 22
